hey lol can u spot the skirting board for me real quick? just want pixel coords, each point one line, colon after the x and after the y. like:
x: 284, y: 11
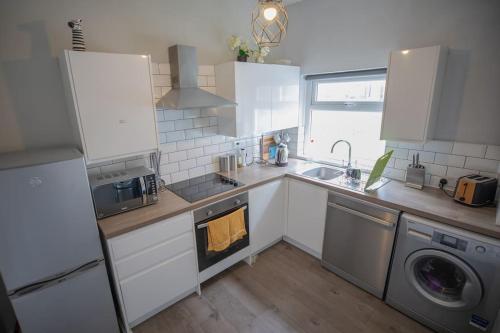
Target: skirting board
x: 302, y: 247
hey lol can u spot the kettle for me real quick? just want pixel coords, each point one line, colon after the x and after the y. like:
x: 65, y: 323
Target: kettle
x: 282, y: 155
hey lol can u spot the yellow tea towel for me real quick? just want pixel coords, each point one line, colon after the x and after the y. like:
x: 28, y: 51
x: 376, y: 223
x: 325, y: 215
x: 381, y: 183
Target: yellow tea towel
x: 225, y: 230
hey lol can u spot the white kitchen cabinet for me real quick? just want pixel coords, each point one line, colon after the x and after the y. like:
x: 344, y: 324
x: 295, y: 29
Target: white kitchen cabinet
x: 267, y: 214
x: 267, y: 97
x: 153, y: 267
x: 110, y: 102
x: 413, y: 90
x: 306, y: 216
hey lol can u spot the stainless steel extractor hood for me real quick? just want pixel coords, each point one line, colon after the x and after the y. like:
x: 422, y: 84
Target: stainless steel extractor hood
x: 185, y: 93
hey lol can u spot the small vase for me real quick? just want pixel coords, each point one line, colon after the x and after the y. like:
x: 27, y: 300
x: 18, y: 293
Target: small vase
x: 242, y: 58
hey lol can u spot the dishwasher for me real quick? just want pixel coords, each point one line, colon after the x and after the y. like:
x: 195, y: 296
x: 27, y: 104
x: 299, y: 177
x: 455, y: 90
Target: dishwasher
x: 359, y: 237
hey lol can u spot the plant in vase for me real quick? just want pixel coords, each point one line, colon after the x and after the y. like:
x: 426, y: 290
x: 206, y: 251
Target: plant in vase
x: 244, y: 52
x: 241, y: 47
x: 260, y: 53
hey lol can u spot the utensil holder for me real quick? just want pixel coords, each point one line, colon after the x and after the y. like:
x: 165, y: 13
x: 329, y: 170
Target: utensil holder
x: 415, y: 177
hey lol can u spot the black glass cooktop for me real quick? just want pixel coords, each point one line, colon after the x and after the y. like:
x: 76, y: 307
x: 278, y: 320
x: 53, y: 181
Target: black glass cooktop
x: 202, y: 187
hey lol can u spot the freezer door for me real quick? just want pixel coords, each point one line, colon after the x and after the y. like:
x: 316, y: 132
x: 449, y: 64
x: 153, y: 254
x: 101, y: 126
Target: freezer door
x: 80, y: 304
x: 47, y: 224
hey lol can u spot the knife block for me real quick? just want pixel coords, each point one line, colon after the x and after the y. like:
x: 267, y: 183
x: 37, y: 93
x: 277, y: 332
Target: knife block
x: 415, y: 177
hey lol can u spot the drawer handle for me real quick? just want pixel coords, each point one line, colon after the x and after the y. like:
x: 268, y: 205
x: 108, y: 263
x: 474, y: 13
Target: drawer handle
x: 362, y: 215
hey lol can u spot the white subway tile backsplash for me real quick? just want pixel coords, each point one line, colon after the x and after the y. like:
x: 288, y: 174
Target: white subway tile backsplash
x: 435, y: 169
x: 459, y: 172
x: 173, y: 114
x: 398, y: 152
x: 401, y: 164
x: 439, y: 146
x: 199, y: 142
x: 212, y: 149
x: 481, y: 164
x: 177, y: 156
x: 469, y: 149
x: 166, y: 126
x: 225, y: 147
x: 204, y: 160
x: 209, y: 131
x: 187, y: 164
x: 183, y: 124
x: 424, y: 156
x: 179, y: 176
x: 185, y: 144
x: 161, y: 81
x: 193, y: 113
x: 194, y: 133
x: 217, y: 139
x: 493, y: 153
x: 196, y: 172
x: 450, y: 160
x: 169, y: 168
x: 394, y: 173
x: 176, y: 136
x: 168, y: 147
x: 213, y: 121
x: 212, y: 168
x: 201, y: 122
x: 196, y: 152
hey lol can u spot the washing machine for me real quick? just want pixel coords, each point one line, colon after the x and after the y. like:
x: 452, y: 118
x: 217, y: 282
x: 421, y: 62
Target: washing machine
x: 444, y: 277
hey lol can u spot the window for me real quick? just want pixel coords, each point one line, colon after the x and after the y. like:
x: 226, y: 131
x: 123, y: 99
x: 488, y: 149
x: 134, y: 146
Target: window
x: 345, y: 106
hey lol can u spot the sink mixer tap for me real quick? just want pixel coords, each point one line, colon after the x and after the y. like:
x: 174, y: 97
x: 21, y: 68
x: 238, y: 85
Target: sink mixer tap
x: 350, y: 172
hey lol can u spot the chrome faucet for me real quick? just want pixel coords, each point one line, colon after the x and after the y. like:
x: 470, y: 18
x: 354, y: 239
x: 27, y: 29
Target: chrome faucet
x: 348, y: 144
x: 350, y: 172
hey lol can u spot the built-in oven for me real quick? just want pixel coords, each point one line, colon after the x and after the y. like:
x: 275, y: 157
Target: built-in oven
x: 119, y: 191
x: 206, y: 214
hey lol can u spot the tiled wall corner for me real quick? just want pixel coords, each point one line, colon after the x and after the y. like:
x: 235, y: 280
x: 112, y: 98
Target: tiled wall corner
x: 444, y: 159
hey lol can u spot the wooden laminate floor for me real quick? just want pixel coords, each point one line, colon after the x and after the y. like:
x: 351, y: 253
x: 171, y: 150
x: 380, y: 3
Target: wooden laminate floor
x: 286, y: 290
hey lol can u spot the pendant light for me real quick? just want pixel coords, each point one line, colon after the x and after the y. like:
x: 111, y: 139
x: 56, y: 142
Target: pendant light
x: 269, y: 22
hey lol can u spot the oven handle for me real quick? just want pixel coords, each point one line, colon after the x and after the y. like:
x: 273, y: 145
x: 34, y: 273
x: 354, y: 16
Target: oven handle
x: 204, y: 225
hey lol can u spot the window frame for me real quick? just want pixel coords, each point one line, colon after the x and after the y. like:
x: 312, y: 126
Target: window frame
x: 311, y: 101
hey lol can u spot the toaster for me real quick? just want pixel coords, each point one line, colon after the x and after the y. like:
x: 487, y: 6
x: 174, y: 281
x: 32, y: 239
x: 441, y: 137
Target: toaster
x: 475, y: 190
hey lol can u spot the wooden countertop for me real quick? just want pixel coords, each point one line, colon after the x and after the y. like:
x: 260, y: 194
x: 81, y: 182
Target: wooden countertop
x: 429, y: 203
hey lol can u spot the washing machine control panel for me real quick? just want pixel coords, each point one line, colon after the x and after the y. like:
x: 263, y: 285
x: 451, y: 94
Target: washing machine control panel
x: 450, y: 241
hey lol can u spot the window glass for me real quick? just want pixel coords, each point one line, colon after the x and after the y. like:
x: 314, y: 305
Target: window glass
x: 355, y: 91
x: 346, y: 108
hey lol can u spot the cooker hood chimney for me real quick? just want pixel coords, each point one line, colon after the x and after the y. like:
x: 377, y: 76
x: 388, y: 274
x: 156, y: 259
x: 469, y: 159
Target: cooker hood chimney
x: 185, y: 93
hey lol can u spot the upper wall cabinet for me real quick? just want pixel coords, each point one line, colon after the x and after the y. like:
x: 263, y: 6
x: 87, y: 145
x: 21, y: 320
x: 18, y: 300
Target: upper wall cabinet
x: 413, y: 90
x: 110, y: 101
x: 267, y: 97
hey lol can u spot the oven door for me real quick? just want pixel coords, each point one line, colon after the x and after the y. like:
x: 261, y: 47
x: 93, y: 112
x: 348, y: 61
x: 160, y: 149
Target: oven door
x: 118, y: 197
x: 208, y: 258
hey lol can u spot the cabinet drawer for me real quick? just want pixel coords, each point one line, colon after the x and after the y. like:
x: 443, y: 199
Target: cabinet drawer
x: 153, y: 256
x: 135, y: 241
x: 154, y: 288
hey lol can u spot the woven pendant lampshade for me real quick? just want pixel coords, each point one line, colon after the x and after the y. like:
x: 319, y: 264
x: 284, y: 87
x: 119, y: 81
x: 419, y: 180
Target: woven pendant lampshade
x: 269, y: 22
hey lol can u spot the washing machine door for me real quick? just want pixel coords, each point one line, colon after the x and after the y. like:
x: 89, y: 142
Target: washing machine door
x: 443, y: 279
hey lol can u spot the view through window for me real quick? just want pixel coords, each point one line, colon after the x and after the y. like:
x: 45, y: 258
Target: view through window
x: 346, y: 107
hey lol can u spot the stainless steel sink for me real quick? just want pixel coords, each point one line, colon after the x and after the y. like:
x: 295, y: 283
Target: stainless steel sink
x: 323, y: 173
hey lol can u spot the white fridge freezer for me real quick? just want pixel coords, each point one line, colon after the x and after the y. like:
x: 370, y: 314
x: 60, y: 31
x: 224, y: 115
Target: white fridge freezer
x: 51, y: 258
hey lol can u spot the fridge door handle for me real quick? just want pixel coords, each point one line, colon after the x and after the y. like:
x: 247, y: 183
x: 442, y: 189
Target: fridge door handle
x: 45, y: 283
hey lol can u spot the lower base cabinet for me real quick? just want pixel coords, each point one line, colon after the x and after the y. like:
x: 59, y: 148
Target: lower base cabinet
x: 267, y: 214
x: 306, y: 216
x: 154, y: 267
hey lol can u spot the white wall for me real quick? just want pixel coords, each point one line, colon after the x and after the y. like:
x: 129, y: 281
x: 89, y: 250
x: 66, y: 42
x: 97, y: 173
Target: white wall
x: 33, y: 33
x: 329, y: 36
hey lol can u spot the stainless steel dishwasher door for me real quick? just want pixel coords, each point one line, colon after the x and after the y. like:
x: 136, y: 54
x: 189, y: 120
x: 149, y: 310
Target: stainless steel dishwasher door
x: 359, y: 237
